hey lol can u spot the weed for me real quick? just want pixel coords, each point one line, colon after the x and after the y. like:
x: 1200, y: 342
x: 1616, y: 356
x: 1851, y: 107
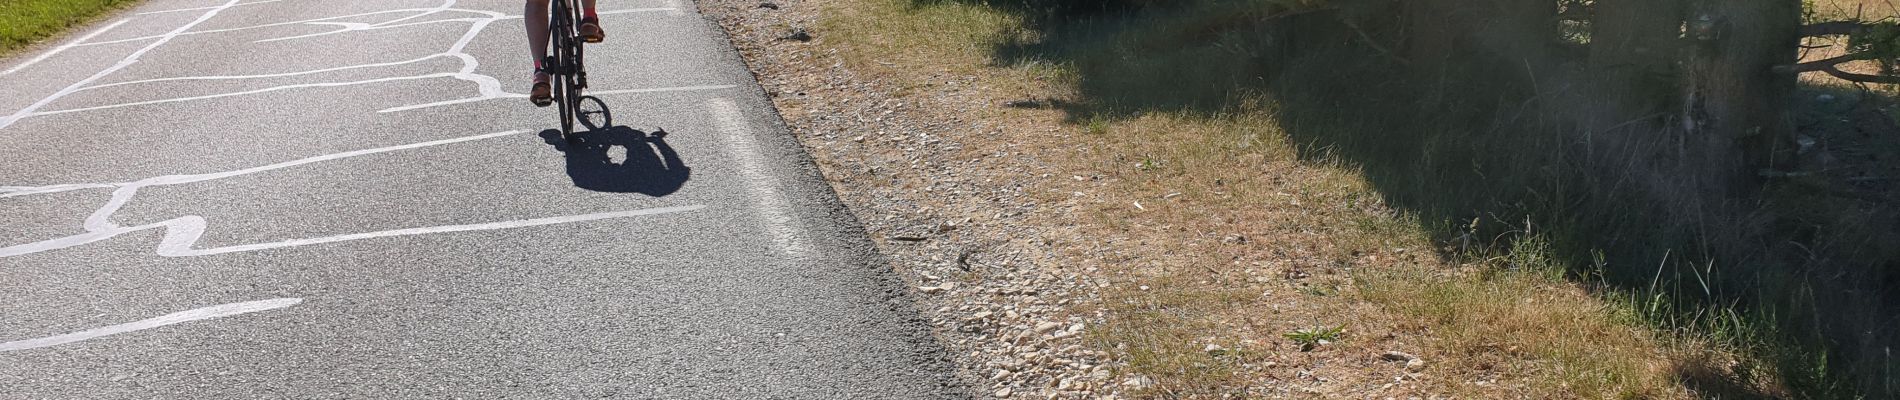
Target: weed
x: 1311, y: 337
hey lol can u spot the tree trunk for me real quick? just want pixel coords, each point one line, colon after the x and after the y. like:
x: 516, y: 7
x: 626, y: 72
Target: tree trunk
x: 1633, y: 54
x: 1742, y: 99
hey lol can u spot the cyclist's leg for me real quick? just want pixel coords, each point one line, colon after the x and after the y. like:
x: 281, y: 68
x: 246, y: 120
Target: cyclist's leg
x: 537, y: 23
x: 590, y: 23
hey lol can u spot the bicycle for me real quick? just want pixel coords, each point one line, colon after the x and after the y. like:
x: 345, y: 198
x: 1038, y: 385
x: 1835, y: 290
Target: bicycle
x: 568, y: 72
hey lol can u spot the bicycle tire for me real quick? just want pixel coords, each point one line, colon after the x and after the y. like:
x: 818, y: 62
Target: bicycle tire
x: 560, y: 30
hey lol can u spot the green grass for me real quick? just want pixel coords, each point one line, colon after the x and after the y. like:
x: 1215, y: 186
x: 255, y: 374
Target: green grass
x: 23, y: 22
x: 1311, y: 337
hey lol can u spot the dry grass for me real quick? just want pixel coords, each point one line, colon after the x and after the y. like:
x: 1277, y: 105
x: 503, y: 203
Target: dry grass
x: 1221, y: 233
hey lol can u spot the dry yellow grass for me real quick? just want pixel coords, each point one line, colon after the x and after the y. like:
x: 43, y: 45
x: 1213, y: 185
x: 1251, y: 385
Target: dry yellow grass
x: 1223, y: 237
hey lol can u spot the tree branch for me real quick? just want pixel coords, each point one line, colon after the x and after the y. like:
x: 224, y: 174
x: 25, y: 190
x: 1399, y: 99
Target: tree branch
x: 1862, y: 78
x: 1832, y: 28
x: 1822, y: 65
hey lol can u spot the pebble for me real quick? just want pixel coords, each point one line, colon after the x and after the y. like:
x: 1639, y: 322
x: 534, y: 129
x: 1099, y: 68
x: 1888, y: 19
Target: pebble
x: 1415, y: 365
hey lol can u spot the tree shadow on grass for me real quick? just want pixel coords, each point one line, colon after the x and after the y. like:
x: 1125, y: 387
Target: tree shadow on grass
x: 1475, y: 141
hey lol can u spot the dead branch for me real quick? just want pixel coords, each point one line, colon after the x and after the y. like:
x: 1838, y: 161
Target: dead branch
x: 1822, y: 65
x: 1862, y: 78
x: 1832, y: 28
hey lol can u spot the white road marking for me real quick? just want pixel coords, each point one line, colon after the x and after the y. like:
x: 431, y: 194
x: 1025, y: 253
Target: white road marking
x: 787, y: 234
x: 243, y: 93
x: 270, y: 25
x: 675, y: 8
x: 168, y: 319
x: 183, y: 233
x: 592, y: 93
x: 64, y: 47
x: 487, y: 87
x: 204, y: 8
x: 126, y: 62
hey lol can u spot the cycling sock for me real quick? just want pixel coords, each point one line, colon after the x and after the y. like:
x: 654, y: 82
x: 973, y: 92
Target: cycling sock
x: 589, y: 14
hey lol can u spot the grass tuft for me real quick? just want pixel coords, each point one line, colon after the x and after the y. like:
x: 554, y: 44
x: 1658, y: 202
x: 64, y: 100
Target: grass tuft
x: 24, y: 22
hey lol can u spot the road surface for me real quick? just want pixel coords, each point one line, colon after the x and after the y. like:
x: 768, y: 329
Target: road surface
x: 353, y: 199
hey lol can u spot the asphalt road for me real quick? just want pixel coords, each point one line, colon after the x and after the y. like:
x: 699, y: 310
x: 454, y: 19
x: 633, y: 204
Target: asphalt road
x: 351, y: 199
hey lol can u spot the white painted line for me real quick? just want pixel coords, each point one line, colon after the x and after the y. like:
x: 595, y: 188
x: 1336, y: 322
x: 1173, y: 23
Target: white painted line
x: 204, y: 8
x: 675, y: 8
x: 183, y: 233
x: 270, y: 25
x: 126, y: 62
x: 64, y: 47
x: 212, y: 312
x: 488, y: 87
x: 243, y: 93
x: 279, y: 75
x: 517, y: 95
x: 672, y: 10
x: 17, y: 191
x: 661, y: 90
x: 787, y: 234
x: 180, y: 238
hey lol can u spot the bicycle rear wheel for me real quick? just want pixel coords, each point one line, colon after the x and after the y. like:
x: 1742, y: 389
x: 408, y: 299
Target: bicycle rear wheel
x: 561, y: 32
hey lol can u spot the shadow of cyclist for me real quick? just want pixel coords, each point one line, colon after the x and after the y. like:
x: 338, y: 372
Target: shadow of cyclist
x: 650, y: 166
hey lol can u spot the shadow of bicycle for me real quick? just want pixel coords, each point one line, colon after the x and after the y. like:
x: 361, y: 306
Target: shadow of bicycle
x: 644, y: 164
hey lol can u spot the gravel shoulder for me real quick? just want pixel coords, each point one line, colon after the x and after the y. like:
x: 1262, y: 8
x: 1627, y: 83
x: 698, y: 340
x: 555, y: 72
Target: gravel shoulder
x: 959, y: 217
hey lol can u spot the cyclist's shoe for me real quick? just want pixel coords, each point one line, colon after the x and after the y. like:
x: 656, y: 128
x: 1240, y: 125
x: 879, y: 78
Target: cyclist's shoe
x: 591, y: 32
x: 541, y: 95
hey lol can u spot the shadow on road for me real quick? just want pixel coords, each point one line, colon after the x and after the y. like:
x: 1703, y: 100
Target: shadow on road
x: 649, y: 166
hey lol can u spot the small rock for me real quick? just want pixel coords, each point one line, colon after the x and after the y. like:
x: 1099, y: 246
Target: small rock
x: 1046, y: 327
x: 1139, y: 382
x: 930, y: 289
x: 1397, y: 356
x: 1415, y: 365
x: 1002, y: 393
x: 1214, y: 349
x: 798, y: 34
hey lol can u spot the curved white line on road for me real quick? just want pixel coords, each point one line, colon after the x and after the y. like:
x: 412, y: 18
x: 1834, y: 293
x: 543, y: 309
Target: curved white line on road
x: 183, y: 233
x: 277, y: 75
x: 123, y: 63
x: 487, y: 87
x: 269, y: 25
x: 181, y: 247
x: 212, y: 312
x: 523, y: 96
x: 243, y: 93
x: 64, y: 47
x: 204, y: 8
